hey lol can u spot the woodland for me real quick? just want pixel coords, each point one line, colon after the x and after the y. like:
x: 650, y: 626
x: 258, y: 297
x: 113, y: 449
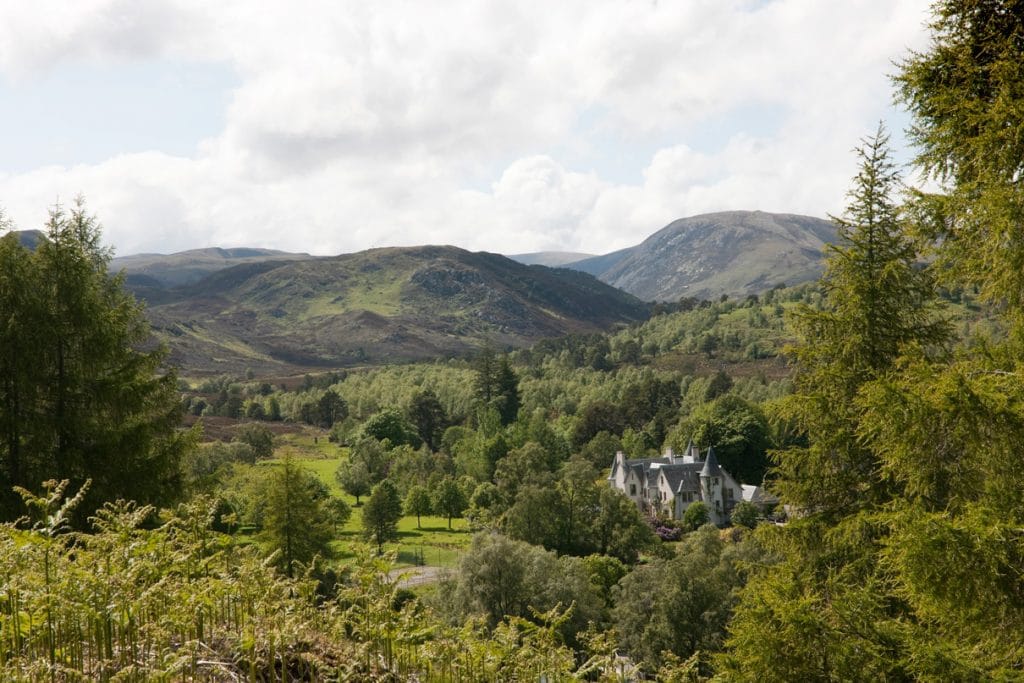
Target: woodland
x: 451, y: 520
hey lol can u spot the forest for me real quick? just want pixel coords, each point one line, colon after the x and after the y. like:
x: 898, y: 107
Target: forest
x: 452, y: 520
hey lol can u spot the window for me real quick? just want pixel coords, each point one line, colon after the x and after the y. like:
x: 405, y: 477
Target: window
x: 728, y: 493
x: 632, y: 489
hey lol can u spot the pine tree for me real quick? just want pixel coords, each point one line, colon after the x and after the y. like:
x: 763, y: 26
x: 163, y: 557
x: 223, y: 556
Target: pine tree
x: 82, y: 397
x: 878, y: 302
x: 827, y: 611
x: 966, y: 98
x: 496, y: 384
x: 507, y: 392
x: 298, y: 521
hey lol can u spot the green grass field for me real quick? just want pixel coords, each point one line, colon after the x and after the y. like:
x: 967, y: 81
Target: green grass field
x: 431, y: 544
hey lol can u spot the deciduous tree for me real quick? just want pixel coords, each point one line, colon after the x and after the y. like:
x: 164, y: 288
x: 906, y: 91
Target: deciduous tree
x: 417, y: 502
x: 382, y: 513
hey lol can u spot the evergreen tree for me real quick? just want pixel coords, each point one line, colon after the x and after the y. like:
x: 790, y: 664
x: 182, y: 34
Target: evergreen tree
x: 486, y: 367
x: 382, y: 513
x: 507, y: 392
x: 331, y: 408
x: 829, y: 611
x: 967, y: 102
x: 427, y: 414
x: 877, y: 303
x: 81, y: 399
x: 298, y: 517
x: 496, y: 384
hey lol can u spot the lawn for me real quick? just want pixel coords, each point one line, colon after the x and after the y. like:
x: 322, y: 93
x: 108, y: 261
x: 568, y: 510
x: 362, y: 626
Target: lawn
x: 431, y: 544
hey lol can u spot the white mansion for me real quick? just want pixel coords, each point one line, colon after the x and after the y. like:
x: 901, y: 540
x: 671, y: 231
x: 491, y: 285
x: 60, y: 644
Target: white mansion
x: 670, y: 484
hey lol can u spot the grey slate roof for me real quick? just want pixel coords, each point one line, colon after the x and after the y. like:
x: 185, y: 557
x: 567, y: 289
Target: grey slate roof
x: 683, y: 477
x: 711, y: 466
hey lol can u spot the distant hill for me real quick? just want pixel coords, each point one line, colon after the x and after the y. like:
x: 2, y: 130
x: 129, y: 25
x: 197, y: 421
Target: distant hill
x: 734, y: 252
x: 186, y: 267
x: 550, y: 258
x: 381, y: 305
x: 29, y: 239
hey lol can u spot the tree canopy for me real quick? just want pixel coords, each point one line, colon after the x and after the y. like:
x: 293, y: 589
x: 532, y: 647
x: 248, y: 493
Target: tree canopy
x: 82, y: 394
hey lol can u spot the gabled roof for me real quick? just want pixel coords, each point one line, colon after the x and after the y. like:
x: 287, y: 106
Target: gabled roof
x: 647, y: 462
x: 682, y: 477
x: 758, y: 495
x: 711, y: 466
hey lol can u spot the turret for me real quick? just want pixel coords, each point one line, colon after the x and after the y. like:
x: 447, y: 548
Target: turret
x: 711, y: 487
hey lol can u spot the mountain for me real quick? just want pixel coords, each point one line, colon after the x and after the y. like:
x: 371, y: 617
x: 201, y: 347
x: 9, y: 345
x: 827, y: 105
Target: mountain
x: 550, y: 258
x: 29, y: 239
x: 381, y: 305
x: 186, y: 267
x: 734, y: 252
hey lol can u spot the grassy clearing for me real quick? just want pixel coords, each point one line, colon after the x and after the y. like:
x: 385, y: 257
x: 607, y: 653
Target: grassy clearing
x: 310, y: 447
x: 431, y: 544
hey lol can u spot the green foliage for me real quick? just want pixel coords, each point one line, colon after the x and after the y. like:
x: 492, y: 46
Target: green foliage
x: 497, y: 385
x: 737, y: 429
x: 618, y: 529
x: 681, y: 606
x: 258, y: 438
x: 428, y: 416
x: 354, y: 477
x: 696, y: 516
x: 79, y: 399
x: 331, y: 408
x: 417, y: 502
x: 298, y: 520
x: 391, y: 425
x: 906, y: 573
x: 600, y: 450
x: 605, y: 572
x: 500, y: 578
x: 878, y: 302
x: 449, y: 499
x: 719, y: 385
x: 964, y: 94
x: 381, y: 514
x: 181, y: 602
x: 745, y: 514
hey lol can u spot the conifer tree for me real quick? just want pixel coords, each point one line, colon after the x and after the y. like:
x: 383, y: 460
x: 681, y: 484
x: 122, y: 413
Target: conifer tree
x: 82, y: 397
x: 298, y: 518
x: 826, y: 611
x: 966, y: 98
x: 877, y: 303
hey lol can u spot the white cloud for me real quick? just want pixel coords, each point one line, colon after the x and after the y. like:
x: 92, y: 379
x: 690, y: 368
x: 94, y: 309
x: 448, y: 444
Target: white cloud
x: 365, y: 124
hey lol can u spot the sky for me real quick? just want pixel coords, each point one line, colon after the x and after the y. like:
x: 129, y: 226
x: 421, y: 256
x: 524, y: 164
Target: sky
x: 327, y: 126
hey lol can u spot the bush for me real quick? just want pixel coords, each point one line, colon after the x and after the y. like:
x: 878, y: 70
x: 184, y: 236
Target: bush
x: 745, y: 514
x: 696, y: 516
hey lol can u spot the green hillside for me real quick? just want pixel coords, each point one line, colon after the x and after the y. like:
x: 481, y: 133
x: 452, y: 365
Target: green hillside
x: 382, y: 305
